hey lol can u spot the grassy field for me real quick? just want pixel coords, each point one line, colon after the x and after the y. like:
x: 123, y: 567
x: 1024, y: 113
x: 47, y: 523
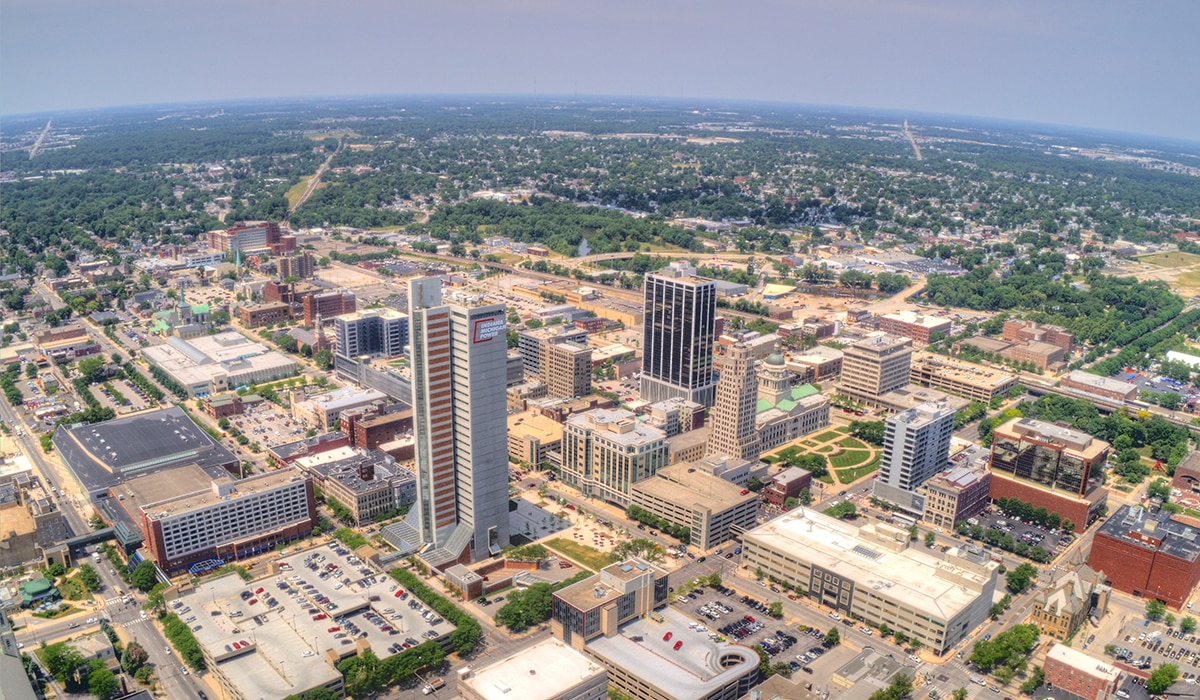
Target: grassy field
x: 1171, y: 259
x: 852, y: 443
x: 590, y: 557
x: 849, y: 458
x: 296, y: 191
x: 332, y: 135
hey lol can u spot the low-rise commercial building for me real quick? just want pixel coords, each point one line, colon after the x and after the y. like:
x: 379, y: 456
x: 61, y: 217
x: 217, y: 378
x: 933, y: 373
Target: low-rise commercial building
x: 215, y: 363
x: 324, y: 410
x: 958, y: 493
x: 534, y: 439
x: 675, y: 415
x: 372, y: 425
x: 714, y: 509
x: 873, y: 574
x: 817, y: 364
x: 1148, y: 553
x: 1083, y: 676
x: 787, y: 484
x: 264, y: 314
x: 365, y: 482
x: 1020, y: 331
x: 968, y: 380
x: 915, y: 325
x: 1062, y: 606
x: 548, y: 670
x: 1093, y: 386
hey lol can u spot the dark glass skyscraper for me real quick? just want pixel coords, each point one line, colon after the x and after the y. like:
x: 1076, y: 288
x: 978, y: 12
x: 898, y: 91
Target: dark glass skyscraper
x: 679, y: 322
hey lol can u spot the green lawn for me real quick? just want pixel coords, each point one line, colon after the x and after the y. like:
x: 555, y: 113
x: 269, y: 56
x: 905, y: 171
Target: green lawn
x: 853, y: 443
x: 849, y: 458
x: 825, y: 450
x: 590, y: 557
x: 829, y: 435
x: 296, y: 191
x: 847, y: 476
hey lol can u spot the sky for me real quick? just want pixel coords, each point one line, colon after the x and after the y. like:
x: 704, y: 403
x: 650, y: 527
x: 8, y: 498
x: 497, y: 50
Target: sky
x: 1106, y: 64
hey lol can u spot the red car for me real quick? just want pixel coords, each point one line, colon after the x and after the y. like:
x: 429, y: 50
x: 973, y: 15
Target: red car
x: 667, y: 637
x: 678, y: 645
x: 320, y: 616
x: 260, y: 590
x: 331, y: 630
x: 399, y: 592
x: 253, y: 601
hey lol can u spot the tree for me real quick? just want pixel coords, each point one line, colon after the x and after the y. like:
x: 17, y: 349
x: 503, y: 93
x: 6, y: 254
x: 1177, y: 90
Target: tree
x: 1160, y: 489
x: 930, y: 539
x: 790, y: 502
x: 91, y: 369
x: 832, y: 638
x: 775, y: 609
x: 912, y: 533
x: 323, y: 359
x: 959, y: 694
x: 89, y: 577
x: 1021, y: 577
x: 1188, y: 625
x: 1155, y: 609
x: 868, y: 431
x: 806, y: 497
x: 144, y: 576
x: 101, y: 682
x: 61, y: 661
x: 134, y: 657
x: 1162, y: 678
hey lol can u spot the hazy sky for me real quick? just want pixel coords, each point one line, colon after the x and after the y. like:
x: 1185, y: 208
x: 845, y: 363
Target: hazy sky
x: 1112, y: 64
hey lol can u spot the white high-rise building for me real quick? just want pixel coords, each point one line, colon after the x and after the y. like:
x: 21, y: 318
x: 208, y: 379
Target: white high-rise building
x: 680, y: 320
x: 916, y: 447
x: 459, y: 421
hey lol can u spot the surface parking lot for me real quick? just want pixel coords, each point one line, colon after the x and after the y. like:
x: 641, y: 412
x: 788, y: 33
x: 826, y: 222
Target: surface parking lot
x: 744, y: 620
x: 1053, y: 541
x: 1148, y: 646
x: 268, y: 426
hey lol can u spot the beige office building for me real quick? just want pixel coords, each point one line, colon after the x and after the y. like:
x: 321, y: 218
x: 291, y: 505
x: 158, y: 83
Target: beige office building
x: 548, y: 670
x: 734, y: 410
x: 605, y: 452
x: 567, y: 369
x: 872, y: 573
x: 715, y: 510
x: 876, y: 365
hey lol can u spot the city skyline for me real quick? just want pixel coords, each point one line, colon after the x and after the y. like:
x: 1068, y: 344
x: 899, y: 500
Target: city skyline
x: 1096, y: 65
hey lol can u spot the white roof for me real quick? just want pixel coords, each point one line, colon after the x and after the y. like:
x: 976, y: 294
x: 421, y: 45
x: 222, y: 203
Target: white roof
x: 548, y: 669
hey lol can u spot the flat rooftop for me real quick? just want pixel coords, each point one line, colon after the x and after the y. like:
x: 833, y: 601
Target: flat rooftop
x: 105, y: 454
x: 685, y: 485
x: 1179, y: 539
x: 965, y: 372
x: 921, y: 579
x: 1098, y: 382
x: 345, y: 397
x: 878, y: 344
x: 918, y: 319
x: 913, y: 395
x: 152, y: 488
x: 694, y: 671
x: 206, y: 496
x: 547, y: 669
x: 534, y: 424
x: 1077, y: 659
x: 618, y: 426
x: 1072, y: 441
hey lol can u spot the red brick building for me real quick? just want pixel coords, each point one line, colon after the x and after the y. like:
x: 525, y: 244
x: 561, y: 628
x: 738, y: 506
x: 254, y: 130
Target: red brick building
x: 787, y: 484
x: 327, y: 306
x: 368, y: 429
x: 1149, y: 553
x: 1018, y: 331
x: 264, y: 314
x: 1079, y: 674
